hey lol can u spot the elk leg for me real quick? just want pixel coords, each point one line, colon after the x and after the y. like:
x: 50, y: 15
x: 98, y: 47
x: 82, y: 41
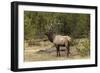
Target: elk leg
x: 58, y: 50
x: 68, y: 50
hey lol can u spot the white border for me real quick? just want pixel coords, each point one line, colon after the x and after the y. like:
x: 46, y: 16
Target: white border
x: 22, y: 64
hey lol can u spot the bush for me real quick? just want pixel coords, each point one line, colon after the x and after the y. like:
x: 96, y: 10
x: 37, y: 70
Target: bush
x: 84, y: 47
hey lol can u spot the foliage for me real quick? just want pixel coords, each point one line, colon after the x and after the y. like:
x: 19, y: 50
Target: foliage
x: 36, y: 24
x: 84, y: 47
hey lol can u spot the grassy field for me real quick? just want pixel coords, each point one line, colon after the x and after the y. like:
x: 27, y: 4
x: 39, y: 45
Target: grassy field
x: 45, y: 50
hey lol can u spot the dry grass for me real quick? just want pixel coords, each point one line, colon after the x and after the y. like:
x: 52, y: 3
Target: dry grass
x: 45, y: 51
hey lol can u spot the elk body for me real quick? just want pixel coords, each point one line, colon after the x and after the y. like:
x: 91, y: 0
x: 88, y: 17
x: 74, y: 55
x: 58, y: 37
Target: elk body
x: 59, y: 40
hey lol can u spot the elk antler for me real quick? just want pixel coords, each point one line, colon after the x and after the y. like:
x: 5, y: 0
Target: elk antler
x: 49, y: 27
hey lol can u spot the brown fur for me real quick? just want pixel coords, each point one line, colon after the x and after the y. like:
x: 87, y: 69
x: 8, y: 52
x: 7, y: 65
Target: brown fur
x: 59, y: 40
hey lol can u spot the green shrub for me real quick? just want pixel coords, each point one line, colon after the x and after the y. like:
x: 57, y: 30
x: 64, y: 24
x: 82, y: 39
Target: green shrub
x: 84, y: 47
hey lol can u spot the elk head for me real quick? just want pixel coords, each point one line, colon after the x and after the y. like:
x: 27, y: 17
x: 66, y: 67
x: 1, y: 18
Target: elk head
x: 49, y: 32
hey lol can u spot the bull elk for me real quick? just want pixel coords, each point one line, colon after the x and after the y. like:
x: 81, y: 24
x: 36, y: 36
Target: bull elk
x: 59, y: 40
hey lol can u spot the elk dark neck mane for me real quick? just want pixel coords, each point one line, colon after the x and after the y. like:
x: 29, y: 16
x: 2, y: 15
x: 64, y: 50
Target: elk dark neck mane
x: 51, y: 37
